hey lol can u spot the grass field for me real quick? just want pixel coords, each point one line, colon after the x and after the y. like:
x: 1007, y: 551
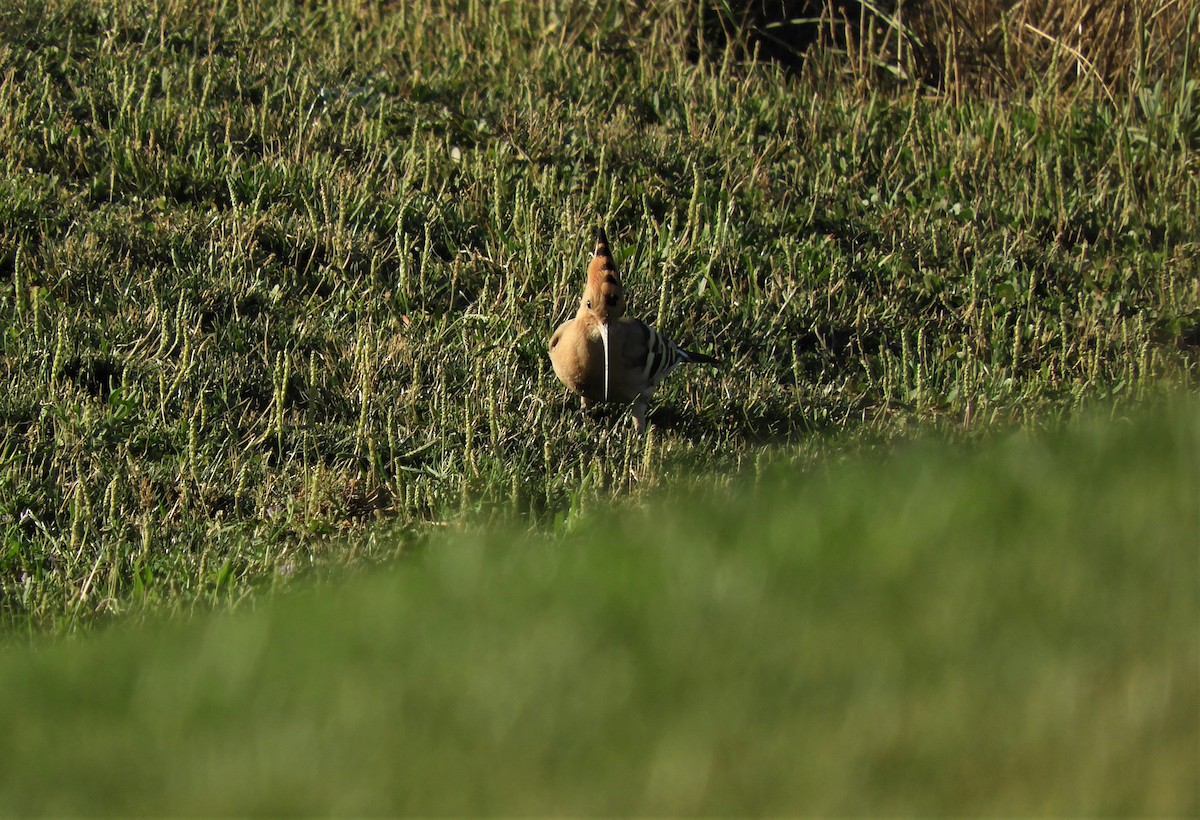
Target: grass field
x: 276, y: 282
x: 273, y: 274
x: 1008, y: 631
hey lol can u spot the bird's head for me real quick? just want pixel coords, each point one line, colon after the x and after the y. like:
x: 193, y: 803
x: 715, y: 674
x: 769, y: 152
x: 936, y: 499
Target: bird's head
x: 603, y: 297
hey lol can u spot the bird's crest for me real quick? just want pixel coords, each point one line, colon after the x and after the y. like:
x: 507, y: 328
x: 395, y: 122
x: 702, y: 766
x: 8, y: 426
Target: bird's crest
x: 604, y: 285
x: 602, y: 264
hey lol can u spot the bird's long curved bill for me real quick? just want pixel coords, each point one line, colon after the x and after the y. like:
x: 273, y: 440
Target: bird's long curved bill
x: 604, y: 339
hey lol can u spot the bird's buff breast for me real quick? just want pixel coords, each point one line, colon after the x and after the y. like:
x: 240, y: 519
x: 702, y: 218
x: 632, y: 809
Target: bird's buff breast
x: 577, y: 355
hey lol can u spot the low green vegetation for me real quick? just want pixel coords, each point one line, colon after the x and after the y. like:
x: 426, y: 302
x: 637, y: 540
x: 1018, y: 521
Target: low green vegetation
x: 272, y: 273
x: 276, y: 282
x: 1010, y: 631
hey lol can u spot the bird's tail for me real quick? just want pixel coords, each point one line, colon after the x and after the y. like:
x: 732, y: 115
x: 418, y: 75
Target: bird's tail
x: 698, y: 358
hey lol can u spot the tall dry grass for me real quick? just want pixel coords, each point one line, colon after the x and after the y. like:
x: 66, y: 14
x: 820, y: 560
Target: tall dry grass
x: 1003, y: 45
x: 963, y: 46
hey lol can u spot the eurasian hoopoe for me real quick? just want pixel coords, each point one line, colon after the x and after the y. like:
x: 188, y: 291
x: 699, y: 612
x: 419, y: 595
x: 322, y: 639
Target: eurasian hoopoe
x: 604, y: 355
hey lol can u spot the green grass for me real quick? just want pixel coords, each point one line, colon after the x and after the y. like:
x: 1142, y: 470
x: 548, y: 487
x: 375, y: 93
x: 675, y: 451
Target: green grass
x: 272, y: 274
x: 276, y: 282
x: 1009, y: 630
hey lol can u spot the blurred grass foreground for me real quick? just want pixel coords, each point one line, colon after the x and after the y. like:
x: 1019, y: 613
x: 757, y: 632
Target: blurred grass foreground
x: 1011, y: 630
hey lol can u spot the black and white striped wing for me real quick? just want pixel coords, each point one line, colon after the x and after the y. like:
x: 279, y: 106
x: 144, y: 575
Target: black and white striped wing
x: 662, y: 356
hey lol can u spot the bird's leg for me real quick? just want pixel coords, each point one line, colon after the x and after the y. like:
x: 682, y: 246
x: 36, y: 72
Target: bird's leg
x: 640, y: 408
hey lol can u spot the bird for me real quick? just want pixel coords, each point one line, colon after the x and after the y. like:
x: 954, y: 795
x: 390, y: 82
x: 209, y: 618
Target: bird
x: 606, y: 356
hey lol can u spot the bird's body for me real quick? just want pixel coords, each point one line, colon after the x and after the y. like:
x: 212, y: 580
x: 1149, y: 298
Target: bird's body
x: 604, y: 355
